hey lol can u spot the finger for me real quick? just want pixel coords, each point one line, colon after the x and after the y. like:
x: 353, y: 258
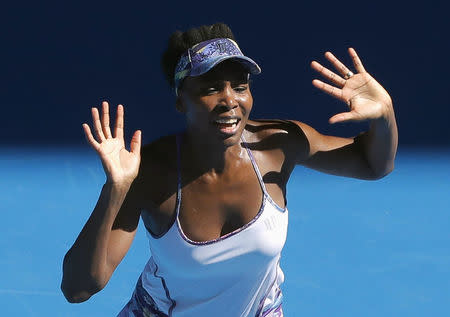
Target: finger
x: 97, y: 125
x: 356, y: 61
x: 337, y: 64
x: 328, y: 74
x: 135, y: 145
x: 331, y: 90
x: 105, y: 120
x: 119, y: 122
x: 89, y: 137
x: 343, y: 117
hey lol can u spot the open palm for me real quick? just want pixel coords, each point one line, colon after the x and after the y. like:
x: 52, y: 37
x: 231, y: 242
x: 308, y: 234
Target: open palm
x: 366, y: 98
x: 120, y: 165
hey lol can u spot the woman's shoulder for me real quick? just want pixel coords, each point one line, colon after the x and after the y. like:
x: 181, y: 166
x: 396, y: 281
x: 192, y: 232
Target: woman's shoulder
x: 160, y: 151
x: 158, y: 170
x: 159, y: 157
x: 282, y: 132
x: 282, y: 140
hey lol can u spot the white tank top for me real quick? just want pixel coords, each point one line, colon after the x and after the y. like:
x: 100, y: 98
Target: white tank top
x: 235, y: 275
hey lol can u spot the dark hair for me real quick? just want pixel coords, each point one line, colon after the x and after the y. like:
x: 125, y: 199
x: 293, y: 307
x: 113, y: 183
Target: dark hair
x: 180, y: 41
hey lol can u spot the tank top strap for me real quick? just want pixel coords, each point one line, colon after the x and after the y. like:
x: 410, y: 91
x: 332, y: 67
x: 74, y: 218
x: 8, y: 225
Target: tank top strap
x: 255, y: 166
x: 178, y: 138
x: 250, y: 154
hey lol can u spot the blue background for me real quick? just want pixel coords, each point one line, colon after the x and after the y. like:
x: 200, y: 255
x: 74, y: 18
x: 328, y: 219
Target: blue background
x: 354, y: 248
x: 59, y: 59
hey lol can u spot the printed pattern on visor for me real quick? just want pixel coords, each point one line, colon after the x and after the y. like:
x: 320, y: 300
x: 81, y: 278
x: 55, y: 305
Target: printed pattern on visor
x: 205, y: 55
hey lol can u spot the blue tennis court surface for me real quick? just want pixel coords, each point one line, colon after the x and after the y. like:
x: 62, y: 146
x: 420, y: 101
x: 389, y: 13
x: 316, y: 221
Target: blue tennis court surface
x: 354, y: 248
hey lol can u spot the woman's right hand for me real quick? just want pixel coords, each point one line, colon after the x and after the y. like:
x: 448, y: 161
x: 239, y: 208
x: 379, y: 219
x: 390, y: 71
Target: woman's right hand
x: 121, y: 166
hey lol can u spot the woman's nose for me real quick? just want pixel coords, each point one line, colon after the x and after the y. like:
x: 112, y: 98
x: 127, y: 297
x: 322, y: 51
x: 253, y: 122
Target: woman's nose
x: 228, y: 97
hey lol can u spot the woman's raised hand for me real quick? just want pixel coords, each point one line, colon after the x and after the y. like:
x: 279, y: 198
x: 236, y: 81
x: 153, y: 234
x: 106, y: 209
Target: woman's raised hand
x: 121, y: 166
x: 366, y: 98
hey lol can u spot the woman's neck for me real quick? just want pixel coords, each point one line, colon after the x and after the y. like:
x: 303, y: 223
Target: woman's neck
x: 208, y: 155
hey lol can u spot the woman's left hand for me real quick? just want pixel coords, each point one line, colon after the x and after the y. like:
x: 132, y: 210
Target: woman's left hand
x: 366, y: 98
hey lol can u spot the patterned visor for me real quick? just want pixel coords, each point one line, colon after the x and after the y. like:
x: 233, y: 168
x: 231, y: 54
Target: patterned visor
x: 205, y: 55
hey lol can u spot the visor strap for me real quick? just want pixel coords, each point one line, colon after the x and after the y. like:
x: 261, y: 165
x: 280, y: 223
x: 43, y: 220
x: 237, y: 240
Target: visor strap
x: 182, y: 77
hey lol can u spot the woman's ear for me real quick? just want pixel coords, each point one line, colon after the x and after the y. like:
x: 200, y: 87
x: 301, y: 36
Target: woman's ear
x: 179, y: 105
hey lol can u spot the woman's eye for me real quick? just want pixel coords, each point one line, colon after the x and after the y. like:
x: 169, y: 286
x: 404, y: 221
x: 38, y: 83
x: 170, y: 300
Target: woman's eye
x: 204, y: 91
x: 240, y: 88
x: 210, y: 90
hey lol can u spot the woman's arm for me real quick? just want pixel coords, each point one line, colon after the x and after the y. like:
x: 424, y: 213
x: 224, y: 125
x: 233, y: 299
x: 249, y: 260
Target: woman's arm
x: 101, y: 245
x: 107, y: 235
x: 371, y: 154
x: 356, y: 157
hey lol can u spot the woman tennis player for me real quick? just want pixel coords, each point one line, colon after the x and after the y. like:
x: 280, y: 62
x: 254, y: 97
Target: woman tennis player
x: 212, y: 198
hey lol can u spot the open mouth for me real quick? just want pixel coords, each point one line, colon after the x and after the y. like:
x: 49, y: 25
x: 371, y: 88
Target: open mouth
x: 228, y: 125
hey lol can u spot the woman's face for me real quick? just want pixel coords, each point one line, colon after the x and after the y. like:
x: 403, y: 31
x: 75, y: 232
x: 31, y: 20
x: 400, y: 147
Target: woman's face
x: 217, y: 104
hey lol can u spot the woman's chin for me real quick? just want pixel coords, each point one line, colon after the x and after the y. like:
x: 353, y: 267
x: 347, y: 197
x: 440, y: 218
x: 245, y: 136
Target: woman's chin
x: 227, y: 136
